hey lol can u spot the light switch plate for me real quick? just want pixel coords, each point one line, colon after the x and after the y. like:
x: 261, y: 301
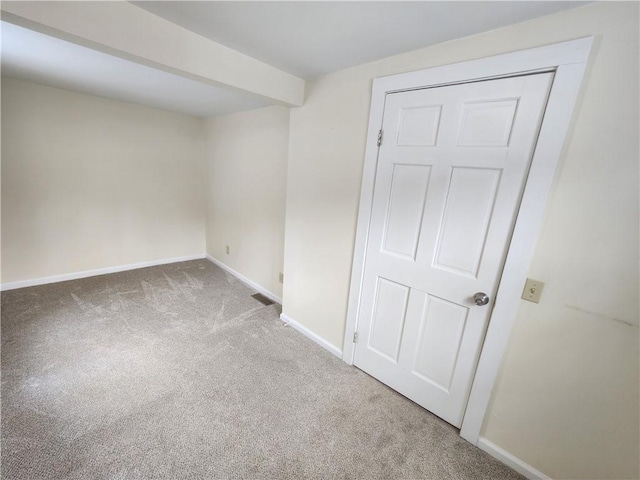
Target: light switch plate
x: 532, y: 290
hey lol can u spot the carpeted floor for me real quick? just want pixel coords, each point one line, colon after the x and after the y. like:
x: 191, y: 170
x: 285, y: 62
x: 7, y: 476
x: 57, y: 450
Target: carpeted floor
x: 175, y: 372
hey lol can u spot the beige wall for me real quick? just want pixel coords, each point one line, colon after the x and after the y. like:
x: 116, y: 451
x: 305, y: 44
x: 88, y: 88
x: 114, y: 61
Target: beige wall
x: 89, y: 183
x: 567, y: 398
x: 246, y: 156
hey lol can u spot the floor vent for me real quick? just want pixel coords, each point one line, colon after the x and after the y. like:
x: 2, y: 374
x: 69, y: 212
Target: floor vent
x: 262, y: 299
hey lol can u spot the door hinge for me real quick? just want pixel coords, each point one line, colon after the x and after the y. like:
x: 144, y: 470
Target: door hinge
x: 355, y: 337
x: 379, y: 137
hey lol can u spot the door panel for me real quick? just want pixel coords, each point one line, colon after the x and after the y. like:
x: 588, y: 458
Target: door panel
x: 467, y: 212
x: 487, y: 124
x: 449, y: 179
x: 388, y: 318
x: 404, y: 218
x: 419, y: 126
x: 439, y: 341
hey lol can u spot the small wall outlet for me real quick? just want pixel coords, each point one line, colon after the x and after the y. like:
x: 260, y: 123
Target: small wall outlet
x: 532, y: 290
x: 281, y: 277
x: 227, y: 249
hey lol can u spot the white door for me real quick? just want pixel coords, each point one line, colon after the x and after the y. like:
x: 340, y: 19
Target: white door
x: 451, y: 171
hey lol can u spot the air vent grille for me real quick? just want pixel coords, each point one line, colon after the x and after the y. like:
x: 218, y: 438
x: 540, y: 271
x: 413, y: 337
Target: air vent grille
x: 262, y: 299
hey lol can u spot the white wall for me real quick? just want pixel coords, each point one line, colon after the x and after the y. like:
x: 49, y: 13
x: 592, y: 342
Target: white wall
x: 246, y: 156
x: 567, y: 401
x: 89, y: 183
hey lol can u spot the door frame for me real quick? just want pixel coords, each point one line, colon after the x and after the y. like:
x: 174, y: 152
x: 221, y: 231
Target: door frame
x: 569, y: 62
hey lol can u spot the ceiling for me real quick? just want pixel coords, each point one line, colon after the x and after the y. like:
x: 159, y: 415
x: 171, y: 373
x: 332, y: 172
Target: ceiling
x: 307, y: 39
x: 39, y: 58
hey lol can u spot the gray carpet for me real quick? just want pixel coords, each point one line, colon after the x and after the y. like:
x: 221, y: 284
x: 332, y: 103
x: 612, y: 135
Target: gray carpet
x: 175, y: 372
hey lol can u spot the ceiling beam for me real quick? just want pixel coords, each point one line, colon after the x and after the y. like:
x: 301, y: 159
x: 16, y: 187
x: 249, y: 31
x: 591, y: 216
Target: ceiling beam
x: 127, y: 31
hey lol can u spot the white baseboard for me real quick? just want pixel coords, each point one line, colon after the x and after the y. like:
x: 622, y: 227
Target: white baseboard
x: 93, y: 273
x: 309, y: 334
x: 511, y: 460
x: 245, y: 280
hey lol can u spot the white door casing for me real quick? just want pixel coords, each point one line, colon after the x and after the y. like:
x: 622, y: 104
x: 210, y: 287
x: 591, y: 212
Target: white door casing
x: 569, y: 61
x: 450, y: 174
